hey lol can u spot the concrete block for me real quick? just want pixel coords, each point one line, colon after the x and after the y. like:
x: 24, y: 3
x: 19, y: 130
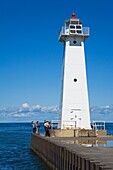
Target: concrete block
x: 101, y: 133
x: 76, y: 133
x: 83, y: 133
x: 92, y: 133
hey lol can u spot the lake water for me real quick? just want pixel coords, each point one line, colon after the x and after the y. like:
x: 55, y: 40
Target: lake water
x: 15, y: 151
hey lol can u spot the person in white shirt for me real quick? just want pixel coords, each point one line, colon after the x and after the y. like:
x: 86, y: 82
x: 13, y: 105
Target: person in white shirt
x: 34, y: 127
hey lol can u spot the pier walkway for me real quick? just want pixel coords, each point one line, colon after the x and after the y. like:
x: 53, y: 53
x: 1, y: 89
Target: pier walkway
x: 74, y: 153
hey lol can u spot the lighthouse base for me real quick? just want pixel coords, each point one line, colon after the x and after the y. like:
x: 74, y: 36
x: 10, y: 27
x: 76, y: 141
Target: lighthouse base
x: 76, y: 133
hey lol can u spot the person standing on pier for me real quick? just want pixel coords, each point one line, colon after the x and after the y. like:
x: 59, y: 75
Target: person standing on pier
x: 47, y: 127
x: 38, y: 128
x: 34, y: 127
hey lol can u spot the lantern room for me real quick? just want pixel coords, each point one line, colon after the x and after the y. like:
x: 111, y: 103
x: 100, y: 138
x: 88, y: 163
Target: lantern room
x: 73, y: 27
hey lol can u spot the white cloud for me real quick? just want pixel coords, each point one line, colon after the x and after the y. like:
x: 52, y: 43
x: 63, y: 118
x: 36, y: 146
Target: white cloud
x: 23, y: 114
x: 25, y: 107
x: 38, y: 112
x: 53, y: 109
x: 38, y: 108
x: 107, y: 106
x: 104, y: 113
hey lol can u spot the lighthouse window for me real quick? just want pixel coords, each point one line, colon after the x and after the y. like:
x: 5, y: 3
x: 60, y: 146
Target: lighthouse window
x: 72, y: 31
x: 79, y: 31
x: 72, y: 26
x: 78, y: 27
x: 74, y: 42
x: 75, y: 80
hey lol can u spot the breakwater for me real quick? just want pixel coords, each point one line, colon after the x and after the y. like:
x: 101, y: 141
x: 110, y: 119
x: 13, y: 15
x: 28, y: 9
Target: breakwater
x: 70, y: 153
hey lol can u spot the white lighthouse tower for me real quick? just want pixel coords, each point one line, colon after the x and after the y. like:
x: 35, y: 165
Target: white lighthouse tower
x: 74, y: 108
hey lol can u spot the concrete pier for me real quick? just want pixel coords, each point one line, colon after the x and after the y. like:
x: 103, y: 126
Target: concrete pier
x: 74, y: 153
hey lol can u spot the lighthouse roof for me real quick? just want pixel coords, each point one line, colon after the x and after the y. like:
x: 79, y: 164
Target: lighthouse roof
x: 73, y: 20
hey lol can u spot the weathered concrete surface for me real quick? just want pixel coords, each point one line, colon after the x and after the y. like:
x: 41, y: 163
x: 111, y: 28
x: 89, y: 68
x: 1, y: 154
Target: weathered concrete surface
x: 63, y: 153
x: 76, y: 133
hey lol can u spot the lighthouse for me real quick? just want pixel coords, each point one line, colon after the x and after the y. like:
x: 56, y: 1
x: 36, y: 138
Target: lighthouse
x: 74, y: 105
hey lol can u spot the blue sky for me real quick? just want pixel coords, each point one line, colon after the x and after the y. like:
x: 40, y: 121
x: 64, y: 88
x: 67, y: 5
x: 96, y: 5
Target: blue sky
x: 31, y: 56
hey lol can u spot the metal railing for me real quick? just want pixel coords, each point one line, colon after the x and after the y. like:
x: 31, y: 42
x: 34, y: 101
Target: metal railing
x: 95, y: 125
x: 66, y: 31
x: 98, y: 125
x: 55, y: 124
